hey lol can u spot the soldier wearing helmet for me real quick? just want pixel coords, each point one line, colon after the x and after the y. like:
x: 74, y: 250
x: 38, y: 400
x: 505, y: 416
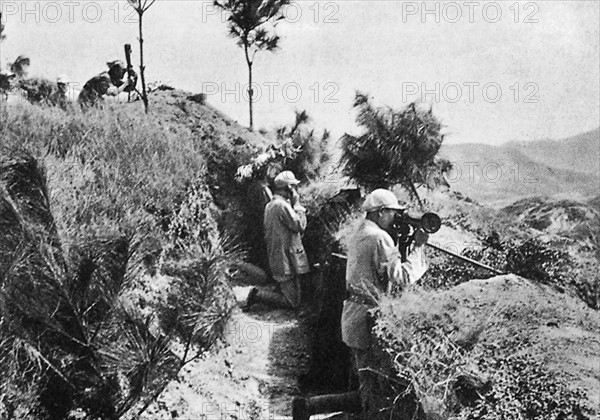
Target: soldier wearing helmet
x: 111, y: 83
x: 59, y: 96
x: 373, y: 264
x: 284, y: 223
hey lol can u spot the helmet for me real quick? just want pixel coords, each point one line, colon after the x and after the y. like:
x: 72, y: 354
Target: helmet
x: 381, y: 199
x: 62, y: 79
x: 285, y: 179
x: 116, y: 63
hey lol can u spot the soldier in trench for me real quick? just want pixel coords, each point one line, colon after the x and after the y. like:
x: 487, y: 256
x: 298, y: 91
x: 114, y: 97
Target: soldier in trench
x: 284, y: 223
x: 374, y: 263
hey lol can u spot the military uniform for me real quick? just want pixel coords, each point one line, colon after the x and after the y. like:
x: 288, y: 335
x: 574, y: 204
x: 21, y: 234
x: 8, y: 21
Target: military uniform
x: 284, y: 225
x: 373, y: 263
x: 98, y: 86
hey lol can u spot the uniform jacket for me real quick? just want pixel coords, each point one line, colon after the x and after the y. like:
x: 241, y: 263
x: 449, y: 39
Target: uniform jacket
x: 94, y: 89
x: 373, y: 263
x: 283, y: 228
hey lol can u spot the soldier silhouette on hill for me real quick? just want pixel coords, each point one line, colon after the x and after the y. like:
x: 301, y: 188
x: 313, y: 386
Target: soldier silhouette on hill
x: 111, y: 83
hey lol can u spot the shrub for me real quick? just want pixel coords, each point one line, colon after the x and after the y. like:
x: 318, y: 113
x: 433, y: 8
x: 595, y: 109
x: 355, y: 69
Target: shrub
x: 422, y: 351
x: 510, y: 246
x: 298, y: 149
x: 86, y: 200
x: 463, y: 365
x: 398, y: 147
x: 44, y: 92
x: 199, y: 300
x: 524, y: 389
x: 328, y: 208
x: 61, y: 318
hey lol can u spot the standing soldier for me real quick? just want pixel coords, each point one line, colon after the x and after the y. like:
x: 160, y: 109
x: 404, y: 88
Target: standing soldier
x: 111, y: 82
x: 373, y: 264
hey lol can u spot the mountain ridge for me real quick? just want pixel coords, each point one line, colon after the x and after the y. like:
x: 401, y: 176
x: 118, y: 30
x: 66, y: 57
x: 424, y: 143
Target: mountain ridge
x: 499, y: 175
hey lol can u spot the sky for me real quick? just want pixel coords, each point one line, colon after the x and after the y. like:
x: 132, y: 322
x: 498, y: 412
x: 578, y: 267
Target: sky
x: 492, y: 71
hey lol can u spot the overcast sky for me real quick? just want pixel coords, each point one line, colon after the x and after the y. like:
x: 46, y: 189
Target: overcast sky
x: 493, y: 71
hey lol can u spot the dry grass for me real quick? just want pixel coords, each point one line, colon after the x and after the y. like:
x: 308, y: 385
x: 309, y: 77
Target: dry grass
x: 86, y: 200
x: 464, y: 347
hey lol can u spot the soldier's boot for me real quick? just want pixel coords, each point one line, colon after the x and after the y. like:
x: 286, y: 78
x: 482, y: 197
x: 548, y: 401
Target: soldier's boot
x: 269, y: 298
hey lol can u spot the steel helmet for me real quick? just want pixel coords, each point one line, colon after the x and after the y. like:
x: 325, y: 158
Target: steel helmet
x: 285, y: 179
x: 381, y: 199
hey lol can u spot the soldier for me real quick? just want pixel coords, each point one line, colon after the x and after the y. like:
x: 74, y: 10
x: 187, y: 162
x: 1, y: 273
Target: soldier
x: 373, y: 264
x: 284, y: 222
x: 111, y: 82
x: 6, y: 84
x: 59, y: 96
x: 20, y: 67
x: 11, y: 79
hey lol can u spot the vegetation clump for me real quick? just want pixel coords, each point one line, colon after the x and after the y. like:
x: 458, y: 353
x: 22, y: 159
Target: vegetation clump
x: 524, y: 388
x: 528, y: 257
x: 94, y: 206
x: 397, y: 148
x: 473, y: 352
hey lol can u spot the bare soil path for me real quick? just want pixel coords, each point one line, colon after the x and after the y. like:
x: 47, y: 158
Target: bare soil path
x: 251, y: 375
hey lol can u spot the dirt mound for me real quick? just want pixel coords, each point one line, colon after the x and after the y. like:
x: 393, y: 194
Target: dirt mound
x: 177, y: 110
x: 508, y: 317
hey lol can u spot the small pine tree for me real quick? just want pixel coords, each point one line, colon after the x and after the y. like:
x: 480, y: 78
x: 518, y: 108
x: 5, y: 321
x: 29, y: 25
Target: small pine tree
x: 248, y: 22
x: 397, y: 147
x: 310, y: 154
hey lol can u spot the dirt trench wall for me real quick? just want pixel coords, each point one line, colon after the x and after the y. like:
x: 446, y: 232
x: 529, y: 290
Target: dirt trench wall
x: 330, y: 358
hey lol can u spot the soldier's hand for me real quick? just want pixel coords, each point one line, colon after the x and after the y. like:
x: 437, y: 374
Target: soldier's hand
x: 295, y: 198
x: 420, y: 237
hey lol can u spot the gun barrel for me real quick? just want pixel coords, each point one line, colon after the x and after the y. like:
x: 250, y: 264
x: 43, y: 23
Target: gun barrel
x: 467, y: 259
x: 128, y: 56
x: 461, y: 257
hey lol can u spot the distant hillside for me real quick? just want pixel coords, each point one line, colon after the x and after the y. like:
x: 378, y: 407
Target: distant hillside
x: 562, y: 217
x: 500, y: 175
x: 580, y: 153
x: 595, y: 203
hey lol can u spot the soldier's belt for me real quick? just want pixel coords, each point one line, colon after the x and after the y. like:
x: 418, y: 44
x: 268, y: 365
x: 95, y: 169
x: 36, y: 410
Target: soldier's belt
x: 361, y: 298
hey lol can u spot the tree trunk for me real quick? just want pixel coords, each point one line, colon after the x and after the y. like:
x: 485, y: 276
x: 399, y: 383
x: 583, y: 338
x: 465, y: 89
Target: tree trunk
x: 250, y: 91
x: 413, y: 192
x: 142, y: 67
